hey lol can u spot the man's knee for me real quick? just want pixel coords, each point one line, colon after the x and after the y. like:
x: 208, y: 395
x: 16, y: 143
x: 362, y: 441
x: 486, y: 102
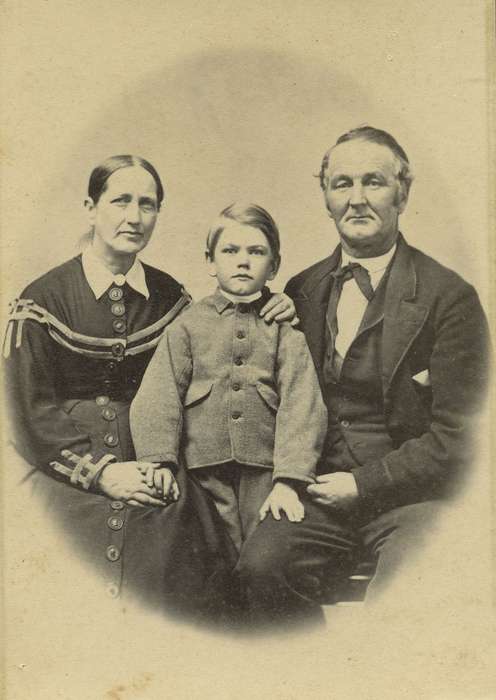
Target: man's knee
x: 263, y: 558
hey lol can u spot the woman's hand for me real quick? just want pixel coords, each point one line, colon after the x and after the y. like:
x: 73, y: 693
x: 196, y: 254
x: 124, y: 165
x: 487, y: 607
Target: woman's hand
x: 280, y: 308
x: 283, y: 497
x: 123, y: 481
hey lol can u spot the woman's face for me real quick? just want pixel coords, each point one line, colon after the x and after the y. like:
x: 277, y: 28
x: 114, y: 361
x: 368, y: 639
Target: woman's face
x: 124, y: 217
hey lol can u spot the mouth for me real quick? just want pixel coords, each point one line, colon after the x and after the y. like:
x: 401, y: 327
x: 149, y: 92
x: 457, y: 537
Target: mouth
x: 131, y: 233
x: 242, y: 277
x: 364, y: 217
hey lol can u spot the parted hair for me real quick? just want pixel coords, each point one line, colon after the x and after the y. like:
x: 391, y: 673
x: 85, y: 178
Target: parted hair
x: 248, y: 215
x: 102, y: 172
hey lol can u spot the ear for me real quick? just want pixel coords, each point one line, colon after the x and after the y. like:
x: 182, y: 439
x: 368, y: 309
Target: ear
x: 275, y: 269
x: 89, y: 205
x: 212, y: 270
x: 402, y: 198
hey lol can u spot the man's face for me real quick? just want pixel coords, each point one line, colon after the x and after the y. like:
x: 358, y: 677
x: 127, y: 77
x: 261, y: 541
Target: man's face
x: 364, y: 196
x: 126, y: 212
x: 242, y: 259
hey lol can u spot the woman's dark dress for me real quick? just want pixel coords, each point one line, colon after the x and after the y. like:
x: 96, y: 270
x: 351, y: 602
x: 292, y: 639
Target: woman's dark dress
x: 74, y: 364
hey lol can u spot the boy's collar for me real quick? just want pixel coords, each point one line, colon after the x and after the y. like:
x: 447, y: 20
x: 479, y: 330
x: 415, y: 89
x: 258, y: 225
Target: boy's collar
x: 258, y: 300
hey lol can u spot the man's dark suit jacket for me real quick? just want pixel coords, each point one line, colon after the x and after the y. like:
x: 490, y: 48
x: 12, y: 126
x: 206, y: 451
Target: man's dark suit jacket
x: 434, y: 329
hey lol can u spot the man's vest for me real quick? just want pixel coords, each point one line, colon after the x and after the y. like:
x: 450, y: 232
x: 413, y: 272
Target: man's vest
x: 357, y: 429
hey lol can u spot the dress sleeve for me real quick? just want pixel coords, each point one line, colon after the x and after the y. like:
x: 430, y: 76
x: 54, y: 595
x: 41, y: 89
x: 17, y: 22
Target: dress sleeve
x: 301, y: 421
x: 42, y: 432
x: 156, y: 415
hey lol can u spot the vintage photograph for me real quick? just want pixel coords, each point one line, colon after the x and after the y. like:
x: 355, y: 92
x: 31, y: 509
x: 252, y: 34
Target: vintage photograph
x: 247, y: 272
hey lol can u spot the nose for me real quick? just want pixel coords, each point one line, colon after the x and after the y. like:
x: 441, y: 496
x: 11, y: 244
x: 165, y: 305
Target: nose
x: 243, y: 259
x: 133, y: 214
x: 357, y: 195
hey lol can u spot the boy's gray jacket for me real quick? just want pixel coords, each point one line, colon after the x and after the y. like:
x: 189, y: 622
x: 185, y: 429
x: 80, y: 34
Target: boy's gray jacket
x: 226, y: 386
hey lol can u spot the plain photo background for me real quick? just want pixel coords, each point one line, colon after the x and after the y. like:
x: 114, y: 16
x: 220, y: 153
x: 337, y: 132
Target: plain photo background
x: 234, y: 100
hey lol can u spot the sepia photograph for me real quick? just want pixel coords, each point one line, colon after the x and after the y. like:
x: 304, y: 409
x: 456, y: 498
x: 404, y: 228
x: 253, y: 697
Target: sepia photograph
x: 247, y: 309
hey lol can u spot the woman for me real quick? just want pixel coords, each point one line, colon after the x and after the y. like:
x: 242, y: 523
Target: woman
x: 77, y: 345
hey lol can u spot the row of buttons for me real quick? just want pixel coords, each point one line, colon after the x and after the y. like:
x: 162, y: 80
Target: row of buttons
x: 115, y: 521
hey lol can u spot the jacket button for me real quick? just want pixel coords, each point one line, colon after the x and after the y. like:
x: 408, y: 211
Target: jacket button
x: 117, y: 505
x: 102, y: 400
x: 119, y: 279
x: 241, y: 335
x: 109, y: 413
x: 119, y: 325
x: 345, y: 423
x: 238, y: 361
x: 118, y: 309
x: 111, y: 440
x: 112, y: 366
x: 236, y: 415
x: 118, y: 350
x: 115, y: 294
x: 113, y: 590
x: 115, y: 523
x: 113, y: 553
x: 236, y: 387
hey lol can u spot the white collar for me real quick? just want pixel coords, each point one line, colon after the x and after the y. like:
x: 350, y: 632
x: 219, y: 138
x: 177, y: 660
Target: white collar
x: 377, y: 264
x: 100, y: 278
x: 241, y: 299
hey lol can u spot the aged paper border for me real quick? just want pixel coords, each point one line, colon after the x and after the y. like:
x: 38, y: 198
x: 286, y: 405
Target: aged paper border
x: 435, y: 638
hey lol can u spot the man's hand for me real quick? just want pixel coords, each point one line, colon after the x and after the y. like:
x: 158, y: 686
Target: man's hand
x: 283, y: 497
x: 338, y: 490
x: 280, y: 308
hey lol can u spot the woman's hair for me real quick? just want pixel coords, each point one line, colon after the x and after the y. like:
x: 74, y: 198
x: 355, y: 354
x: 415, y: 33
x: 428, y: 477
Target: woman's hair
x: 247, y: 215
x: 382, y: 138
x: 102, y: 172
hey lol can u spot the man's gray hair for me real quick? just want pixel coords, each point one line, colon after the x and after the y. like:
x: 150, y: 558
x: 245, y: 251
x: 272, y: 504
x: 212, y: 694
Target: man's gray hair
x: 383, y: 138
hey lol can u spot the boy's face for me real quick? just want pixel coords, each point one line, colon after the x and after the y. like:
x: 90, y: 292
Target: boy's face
x: 242, y: 260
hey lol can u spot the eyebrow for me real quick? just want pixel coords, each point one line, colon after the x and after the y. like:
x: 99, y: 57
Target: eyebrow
x: 344, y: 176
x: 126, y: 195
x: 255, y: 246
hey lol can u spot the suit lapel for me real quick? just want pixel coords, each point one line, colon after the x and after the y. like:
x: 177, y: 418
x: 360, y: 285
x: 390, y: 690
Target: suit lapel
x: 311, y: 305
x: 403, y: 316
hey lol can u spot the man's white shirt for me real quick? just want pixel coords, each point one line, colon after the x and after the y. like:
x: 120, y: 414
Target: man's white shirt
x: 352, y: 302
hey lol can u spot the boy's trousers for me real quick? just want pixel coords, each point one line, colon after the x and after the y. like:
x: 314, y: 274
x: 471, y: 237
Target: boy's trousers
x: 238, y: 491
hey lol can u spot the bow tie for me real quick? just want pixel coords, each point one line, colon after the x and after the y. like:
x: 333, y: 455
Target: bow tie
x: 360, y: 274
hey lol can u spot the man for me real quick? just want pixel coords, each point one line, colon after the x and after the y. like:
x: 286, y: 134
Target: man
x: 400, y: 344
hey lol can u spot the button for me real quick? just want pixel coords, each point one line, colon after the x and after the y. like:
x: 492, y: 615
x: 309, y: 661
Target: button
x: 102, y: 400
x: 236, y: 387
x: 238, y: 361
x: 115, y: 523
x: 118, y: 309
x: 243, y: 308
x: 116, y: 294
x: 236, y: 415
x: 112, y: 366
x: 241, y: 335
x: 113, y: 553
x: 119, y: 280
x: 111, y: 440
x: 118, y: 350
x: 113, y: 590
x: 108, y: 413
x: 345, y: 423
x: 116, y: 505
x: 119, y: 325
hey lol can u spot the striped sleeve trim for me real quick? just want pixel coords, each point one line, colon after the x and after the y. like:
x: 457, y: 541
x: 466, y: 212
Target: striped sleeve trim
x: 90, y: 346
x: 81, y: 471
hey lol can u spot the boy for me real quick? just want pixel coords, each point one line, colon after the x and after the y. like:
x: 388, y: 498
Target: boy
x: 234, y: 399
